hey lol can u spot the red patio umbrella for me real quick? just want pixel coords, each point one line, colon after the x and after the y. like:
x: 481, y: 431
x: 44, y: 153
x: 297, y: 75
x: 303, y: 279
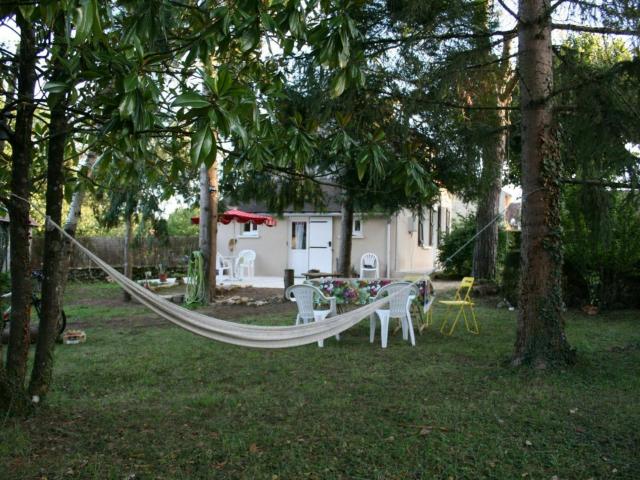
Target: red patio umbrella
x: 241, y: 217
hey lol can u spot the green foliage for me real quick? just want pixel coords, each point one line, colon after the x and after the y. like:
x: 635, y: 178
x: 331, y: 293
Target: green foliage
x: 179, y: 222
x: 462, y: 231
x: 602, y: 247
x: 5, y: 282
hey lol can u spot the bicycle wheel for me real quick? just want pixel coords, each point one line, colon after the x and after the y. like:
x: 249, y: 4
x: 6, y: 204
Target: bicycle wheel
x: 62, y: 324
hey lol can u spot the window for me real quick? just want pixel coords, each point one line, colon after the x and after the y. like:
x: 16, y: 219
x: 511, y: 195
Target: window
x: 249, y: 229
x: 420, y: 233
x: 447, y: 223
x: 298, y: 235
x: 439, y: 231
x: 432, y: 226
x: 357, y: 228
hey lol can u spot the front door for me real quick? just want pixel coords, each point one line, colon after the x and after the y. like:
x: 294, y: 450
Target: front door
x: 299, y: 245
x: 320, y: 251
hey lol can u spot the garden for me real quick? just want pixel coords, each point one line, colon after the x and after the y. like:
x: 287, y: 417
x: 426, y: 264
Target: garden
x: 417, y: 146
x: 144, y: 399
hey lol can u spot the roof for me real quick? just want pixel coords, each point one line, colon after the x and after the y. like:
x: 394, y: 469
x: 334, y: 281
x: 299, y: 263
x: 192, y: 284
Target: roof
x: 332, y: 197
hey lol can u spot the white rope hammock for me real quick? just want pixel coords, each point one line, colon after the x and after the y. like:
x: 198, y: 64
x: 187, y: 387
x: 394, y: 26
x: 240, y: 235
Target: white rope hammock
x: 230, y: 332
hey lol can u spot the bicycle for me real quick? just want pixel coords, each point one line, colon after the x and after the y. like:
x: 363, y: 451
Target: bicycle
x: 36, y: 303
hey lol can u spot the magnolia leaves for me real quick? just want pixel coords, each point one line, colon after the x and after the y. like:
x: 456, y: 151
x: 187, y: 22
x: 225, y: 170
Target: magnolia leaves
x: 203, y: 145
x: 87, y: 20
x: 222, y: 111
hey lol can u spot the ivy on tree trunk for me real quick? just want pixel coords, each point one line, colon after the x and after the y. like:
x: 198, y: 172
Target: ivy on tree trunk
x: 541, y: 340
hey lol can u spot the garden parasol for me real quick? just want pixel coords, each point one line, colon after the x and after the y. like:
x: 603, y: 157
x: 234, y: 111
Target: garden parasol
x: 241, y: 217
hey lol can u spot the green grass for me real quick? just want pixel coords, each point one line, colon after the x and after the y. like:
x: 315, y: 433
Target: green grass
x: 159, y: 402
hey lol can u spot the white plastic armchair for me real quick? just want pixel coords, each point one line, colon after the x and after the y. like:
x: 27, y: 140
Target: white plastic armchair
x: 399, y: 307
x: 306, y: 297
x: 245, y: 263
x: 369, y: 263
x: 223, y: 265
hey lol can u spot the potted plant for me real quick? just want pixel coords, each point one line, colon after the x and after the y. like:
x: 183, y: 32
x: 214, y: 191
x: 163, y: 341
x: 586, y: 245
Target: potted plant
x: 162, y: 274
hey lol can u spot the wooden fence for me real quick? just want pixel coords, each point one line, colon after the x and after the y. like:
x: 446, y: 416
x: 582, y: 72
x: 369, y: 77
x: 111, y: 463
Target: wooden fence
x: 148, y: 253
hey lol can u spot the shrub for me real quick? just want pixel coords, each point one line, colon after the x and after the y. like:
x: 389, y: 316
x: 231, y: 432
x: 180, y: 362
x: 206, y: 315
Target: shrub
x: 461, y: 232
x: 601, y: 233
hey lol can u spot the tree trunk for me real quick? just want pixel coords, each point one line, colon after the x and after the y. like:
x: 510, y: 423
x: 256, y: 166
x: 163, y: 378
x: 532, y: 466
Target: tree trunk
x: 541, y: 340
x: 52, y: 284
x: 494, y: 155
x: 128, y: 253
x: 209, y: 227
x: 346, y: 237
x: 71, y: 224
x: 485, y: 251
x: 12, y: 393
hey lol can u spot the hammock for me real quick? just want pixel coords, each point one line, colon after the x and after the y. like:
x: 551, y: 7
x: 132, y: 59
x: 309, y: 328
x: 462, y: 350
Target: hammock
x: 230, y: 332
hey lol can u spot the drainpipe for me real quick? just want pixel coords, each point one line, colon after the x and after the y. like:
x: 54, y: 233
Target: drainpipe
x: 388, y: 259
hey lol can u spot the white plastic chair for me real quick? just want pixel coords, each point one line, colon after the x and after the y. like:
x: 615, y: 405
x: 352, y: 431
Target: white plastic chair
x: 306, y: 296
x: 223, y: 265
x: 369, y: 263
x: 245, y: 263
x: 399, y: 307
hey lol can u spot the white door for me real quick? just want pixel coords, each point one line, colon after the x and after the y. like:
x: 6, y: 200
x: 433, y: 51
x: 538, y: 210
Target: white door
x: 299, y: 245
x: 320, y: 251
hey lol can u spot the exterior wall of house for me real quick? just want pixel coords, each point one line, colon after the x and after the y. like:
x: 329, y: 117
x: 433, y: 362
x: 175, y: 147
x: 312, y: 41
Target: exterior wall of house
x: 270, y: 246
x: 410, y: 256
x: 413, y: 242
x: 418, y: 239
x: 372, y: 240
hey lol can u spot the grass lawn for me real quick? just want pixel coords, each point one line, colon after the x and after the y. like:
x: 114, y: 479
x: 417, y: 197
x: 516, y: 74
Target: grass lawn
x: 151, y: 401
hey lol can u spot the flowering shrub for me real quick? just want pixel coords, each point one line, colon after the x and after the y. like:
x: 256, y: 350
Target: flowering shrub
x: 359, y: 291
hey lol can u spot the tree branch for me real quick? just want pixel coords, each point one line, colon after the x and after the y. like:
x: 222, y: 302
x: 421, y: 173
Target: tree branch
x: 598, y: 183
x: 586, y: 29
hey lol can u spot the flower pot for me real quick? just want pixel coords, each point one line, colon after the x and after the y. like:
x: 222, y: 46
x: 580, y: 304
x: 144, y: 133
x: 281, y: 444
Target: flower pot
x: 162, y: 277
x: 590, y: 309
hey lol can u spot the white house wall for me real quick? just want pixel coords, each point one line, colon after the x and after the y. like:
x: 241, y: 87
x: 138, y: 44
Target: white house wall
x: 270, y: 246
x: 410, y: 258
x: 373, y: 240
x: 405, y: 255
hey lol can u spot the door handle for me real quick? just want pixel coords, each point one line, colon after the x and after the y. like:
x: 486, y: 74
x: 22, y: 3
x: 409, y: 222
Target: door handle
x: 329, y: 242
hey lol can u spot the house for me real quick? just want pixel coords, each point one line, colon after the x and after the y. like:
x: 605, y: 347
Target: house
x: 306, y: 239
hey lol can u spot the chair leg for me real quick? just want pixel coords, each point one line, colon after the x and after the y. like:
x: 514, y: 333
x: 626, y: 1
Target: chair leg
x: 476, y: 328
x: 405, y: 333
x: 372, y: 327
x: 298, y: 319
x: 384, y: 330
x: 455, y: 322
x: 427, y: 319
x: 445, y: 321
x: 412, y: 335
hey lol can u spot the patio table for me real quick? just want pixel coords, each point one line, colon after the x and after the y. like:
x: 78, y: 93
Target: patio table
x: 360, y: 291
x: 232, y: 260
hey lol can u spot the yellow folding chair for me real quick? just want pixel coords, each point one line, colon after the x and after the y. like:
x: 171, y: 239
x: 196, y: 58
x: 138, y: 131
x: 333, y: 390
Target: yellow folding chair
x: 463, y: 302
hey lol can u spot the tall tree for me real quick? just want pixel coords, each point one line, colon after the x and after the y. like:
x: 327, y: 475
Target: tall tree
x: 12, y: 394
x: 53, y: 244
x: 541, y: 338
